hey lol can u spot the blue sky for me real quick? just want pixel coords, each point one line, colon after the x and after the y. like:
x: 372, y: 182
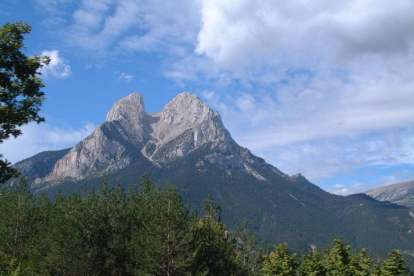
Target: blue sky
x: 324, y: 88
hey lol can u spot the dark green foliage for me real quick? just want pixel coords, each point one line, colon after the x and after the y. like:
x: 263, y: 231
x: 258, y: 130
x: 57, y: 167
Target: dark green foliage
x: 216, y: 251
x: 339, y: 260
x: 336, y: 260
x: 147, y: 231
x: 393, y: 266
x: 280, y: 262
x: 16, y: 220
x: 312, y: 265
x: 150, y: 231
x: 9, y: 265
x: 20, y: 94
x: 250, y: 250
x: 165, y: 236
x: 311, y: 217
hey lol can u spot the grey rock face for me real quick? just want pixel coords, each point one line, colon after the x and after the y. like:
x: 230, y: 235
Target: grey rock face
x: 185, y: 124
x: 96, y: 153
x: 129, y: 108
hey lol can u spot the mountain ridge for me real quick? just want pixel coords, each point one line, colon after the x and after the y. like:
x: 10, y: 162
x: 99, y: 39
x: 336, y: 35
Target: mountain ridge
x: 187, y: 145
x: 399, y: 193
x: 185, y: 124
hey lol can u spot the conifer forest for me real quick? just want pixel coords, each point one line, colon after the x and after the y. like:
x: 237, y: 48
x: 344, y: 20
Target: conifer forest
x: 150, y: 231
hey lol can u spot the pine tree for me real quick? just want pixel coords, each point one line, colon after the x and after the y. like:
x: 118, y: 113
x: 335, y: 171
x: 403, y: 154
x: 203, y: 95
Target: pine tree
x: 249, y: 250
x: 280, y: 262
x: 312, y: 265
x: 16, y: 220
x: 216, y: 254
x: 67, y: 250
x: 393, y: 266
x: 360, y: 264
x: 337, y: 258
x: 164, y: 238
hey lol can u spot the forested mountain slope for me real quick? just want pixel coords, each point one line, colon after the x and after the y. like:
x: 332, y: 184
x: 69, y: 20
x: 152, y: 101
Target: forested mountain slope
x: 187, y: 145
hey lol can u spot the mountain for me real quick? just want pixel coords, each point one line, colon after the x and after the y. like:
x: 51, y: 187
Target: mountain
x: 400, y: 193
x: 187, y: 145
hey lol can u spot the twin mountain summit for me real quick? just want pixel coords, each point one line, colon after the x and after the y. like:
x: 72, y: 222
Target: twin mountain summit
x: 187, y: 145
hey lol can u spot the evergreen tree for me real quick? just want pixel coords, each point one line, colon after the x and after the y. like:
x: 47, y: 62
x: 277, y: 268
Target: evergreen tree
x: 150, y: 231
x: 9, y: 266
x: 119, y: 222
x: 312, y: 265
x: 40, y: 244
x: 165, y: 239
x: 393, y: 266
x: 280, y: 262
x: 67, y: 250
x: 16, y: 220
x: 337, y: 258
x: 216, y: 254
x: 249, y: 250
x: 360, y: 264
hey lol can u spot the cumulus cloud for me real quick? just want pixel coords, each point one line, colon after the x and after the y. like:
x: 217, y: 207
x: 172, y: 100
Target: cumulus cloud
x: 322, y: 85
x: 38, y: 138
x: 58, y: 67
x: 237, y: 34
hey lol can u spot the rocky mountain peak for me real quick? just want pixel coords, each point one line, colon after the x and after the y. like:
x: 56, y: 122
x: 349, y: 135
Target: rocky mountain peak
x: 129, y: 108
x: 186, y: 109
x: 129, y: 133
x: 297, y: 177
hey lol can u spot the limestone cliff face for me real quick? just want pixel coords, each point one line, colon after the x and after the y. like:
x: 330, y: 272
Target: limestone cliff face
x: 129, y: 133
x: 105, y: 149
x: 96, y: 153
x: 185, y: 124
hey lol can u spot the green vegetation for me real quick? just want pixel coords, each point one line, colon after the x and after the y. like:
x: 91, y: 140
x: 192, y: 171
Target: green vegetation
x: 150, y: 231
x: 20, y: 94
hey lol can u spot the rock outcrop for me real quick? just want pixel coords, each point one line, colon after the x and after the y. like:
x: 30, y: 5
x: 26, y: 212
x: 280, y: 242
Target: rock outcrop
x: 185, y: 124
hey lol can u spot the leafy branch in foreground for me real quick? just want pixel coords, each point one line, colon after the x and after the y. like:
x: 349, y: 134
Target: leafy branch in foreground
x: 20, y: 87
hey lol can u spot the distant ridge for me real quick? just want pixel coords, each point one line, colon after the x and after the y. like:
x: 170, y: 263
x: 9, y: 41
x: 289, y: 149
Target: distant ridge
x: 400, y: 193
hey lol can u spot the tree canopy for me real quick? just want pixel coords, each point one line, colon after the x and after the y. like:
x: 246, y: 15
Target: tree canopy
x: 150, y: 231
x: 20, y: 87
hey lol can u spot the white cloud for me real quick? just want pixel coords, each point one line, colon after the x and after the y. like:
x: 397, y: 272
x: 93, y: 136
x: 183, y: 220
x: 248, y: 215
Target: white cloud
x: 38, y: 138
x: 58, y: 67
x: 122, y: 76
x: 322, y: 85
x: 241, y: 33
x: 107, y: 27
x: 340, y: 189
